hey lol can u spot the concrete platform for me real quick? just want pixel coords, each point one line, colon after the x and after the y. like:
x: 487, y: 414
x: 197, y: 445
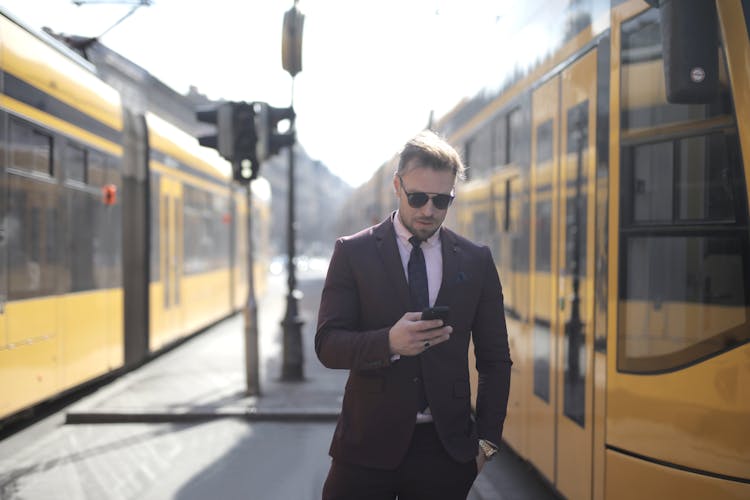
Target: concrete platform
x: 204, y: 378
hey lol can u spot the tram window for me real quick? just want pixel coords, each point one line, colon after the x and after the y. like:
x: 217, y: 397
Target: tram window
x: 685, y: 298
x: 652, y: 182
x: 544, y: 151
x: 704, y: 190
x: 468, y: 147
x: 482, y: 226
x: 31, y: 149
x: 32, y: 229
x: 544, y: 142
x: 155, y: 223
x: 684, y: 280
x: 514, y: 133
x: 481, y: 153
x: 107, y: 224
x: 575, y: 236
x: 683, y: 180
x: 195, y: 233
x: 575, y: 196
x: 111, y: 167
x: 507, y: 208
x: 75, y: 163
x: 512, y: 210
x: 82, y: 229
x: 206, y: 233
x: 219, y: 226
x: 500, y: 142
x: 542, y: 356
x: 576, y: 204
x: 170, y: 253
x: 97, y: 170
x: 643, y: 96
x: 543, y: 236
x: 31, y: 225
x: 685, y: 274
x: 701, y: 270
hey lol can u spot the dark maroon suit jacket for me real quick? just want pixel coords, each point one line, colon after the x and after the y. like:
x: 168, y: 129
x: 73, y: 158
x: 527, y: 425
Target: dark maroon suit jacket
x: 365, y: 294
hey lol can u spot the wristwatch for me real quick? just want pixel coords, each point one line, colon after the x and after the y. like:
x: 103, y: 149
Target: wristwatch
x: 487, y: 448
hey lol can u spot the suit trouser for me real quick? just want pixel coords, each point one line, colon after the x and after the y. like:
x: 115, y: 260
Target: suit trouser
x: 426, y: 473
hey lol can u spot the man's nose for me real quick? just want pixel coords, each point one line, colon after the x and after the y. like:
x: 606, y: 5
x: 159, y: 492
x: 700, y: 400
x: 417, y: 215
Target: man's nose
x: 429, y: 208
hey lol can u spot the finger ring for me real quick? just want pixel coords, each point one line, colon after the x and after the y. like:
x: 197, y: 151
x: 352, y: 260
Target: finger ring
x: 426, y: 344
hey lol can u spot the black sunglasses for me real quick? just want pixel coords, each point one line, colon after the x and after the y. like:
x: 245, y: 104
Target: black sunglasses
x: 418, y: 199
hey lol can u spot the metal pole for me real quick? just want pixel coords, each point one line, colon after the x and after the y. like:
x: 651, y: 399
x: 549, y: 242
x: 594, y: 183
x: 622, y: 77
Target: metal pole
x: 291, y: 61
x: 252, y: 374
x: 291, y: 369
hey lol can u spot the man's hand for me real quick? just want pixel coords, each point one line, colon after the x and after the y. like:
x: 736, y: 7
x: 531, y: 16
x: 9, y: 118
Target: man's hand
x: 411, y: 336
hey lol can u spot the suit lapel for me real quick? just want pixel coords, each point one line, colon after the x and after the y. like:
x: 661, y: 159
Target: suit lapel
x: 451, y: 267
x: 385, y: 240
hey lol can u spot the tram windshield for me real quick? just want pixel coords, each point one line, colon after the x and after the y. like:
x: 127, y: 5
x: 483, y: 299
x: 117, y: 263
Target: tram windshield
x: 684, y: 273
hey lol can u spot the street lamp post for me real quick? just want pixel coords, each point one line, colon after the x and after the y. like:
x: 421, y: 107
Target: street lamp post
x: 291, y: 58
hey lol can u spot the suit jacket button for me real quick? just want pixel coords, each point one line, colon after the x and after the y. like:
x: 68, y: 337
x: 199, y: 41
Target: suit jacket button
x: 416, y: 380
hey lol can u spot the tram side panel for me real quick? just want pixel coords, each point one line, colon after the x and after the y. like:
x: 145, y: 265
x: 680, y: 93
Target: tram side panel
x: 191, y: 235
x: 116, y: 226
x: 678, y: 363
x: 62, y: 312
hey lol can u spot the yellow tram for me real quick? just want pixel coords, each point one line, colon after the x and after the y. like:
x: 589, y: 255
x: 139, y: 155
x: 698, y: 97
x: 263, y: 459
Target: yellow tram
x: 608, y: 179
x: 120, y: 234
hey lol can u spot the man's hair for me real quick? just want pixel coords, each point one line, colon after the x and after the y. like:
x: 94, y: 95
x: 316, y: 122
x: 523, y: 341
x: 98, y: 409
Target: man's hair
x: 430, y: 150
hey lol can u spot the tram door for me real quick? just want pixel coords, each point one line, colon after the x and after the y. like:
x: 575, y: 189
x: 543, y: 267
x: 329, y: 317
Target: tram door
x: 171, y: 256
x: 562, y: 175
x: 574, y: 248
x: 544, y: 170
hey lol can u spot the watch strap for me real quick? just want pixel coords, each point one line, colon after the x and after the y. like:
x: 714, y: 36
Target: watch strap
x: 487, y: 448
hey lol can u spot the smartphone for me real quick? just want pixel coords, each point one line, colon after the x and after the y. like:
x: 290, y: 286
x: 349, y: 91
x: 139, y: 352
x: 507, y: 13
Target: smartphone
x: 437, y: 312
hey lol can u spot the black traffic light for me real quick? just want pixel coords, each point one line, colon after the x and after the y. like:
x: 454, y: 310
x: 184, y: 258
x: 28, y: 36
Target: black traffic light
x: 245, y: 164
x: 270, y: 140
x: 235, y: 137
x: 276, y: 139
x: 221, y: 117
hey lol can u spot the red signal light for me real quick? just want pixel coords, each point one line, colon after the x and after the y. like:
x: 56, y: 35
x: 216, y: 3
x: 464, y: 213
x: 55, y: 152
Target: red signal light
x: 109, y: 194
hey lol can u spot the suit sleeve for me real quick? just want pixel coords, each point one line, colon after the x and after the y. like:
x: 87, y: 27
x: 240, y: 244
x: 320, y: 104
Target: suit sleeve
x: 492, y: 356
x: 339, y: 342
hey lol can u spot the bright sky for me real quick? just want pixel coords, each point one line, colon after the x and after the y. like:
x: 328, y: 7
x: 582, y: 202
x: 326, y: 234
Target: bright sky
x: 371, y: 71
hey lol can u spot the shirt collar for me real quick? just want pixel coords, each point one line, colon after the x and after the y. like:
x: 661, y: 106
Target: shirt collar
x: 403, y: 234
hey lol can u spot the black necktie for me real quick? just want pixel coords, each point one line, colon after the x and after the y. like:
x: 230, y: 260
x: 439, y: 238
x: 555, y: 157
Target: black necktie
x: 420, y: 298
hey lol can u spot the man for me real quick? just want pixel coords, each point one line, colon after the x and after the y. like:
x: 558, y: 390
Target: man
x: 406, y: 428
